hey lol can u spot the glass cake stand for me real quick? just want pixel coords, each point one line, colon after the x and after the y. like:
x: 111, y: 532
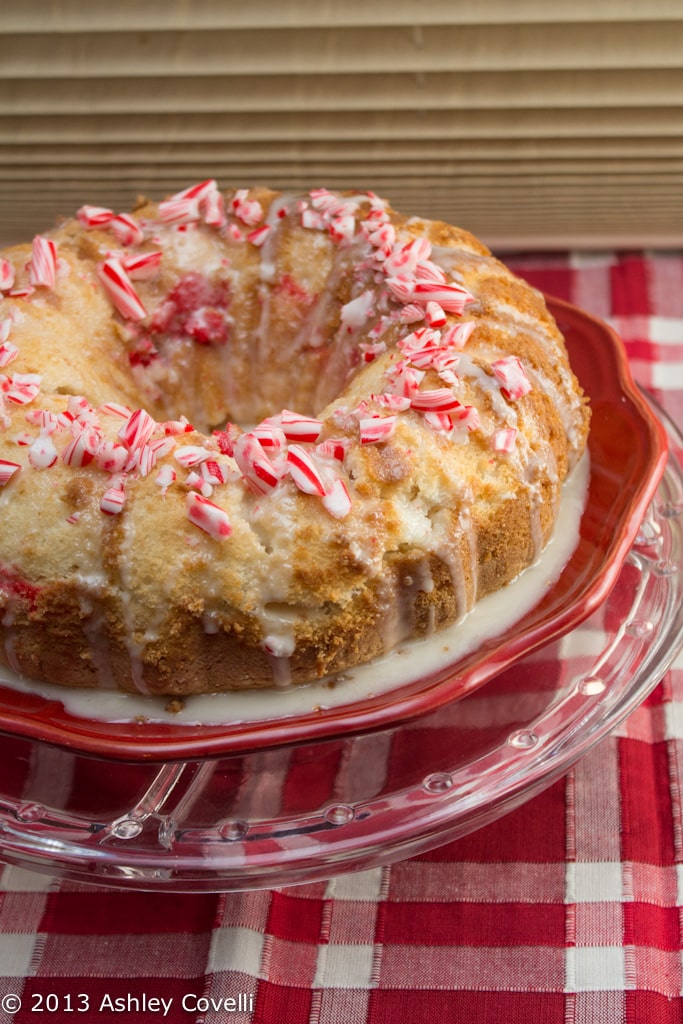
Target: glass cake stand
x: 309, y: 810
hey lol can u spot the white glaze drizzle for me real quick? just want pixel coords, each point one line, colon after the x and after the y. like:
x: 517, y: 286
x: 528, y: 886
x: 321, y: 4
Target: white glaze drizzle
x: 490, y: 617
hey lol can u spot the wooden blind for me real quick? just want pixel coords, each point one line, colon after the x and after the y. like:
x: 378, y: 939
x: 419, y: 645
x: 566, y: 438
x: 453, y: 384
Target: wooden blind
x: 528, y: 122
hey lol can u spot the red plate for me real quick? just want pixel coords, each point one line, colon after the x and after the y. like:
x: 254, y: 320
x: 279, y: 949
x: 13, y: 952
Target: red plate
x: 628, y: 450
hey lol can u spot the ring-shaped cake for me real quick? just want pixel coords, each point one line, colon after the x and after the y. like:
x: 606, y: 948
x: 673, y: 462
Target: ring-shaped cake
x: 253, y: 439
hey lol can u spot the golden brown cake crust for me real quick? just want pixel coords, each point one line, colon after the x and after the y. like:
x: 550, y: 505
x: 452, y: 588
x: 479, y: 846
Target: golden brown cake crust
x: 249, y: 438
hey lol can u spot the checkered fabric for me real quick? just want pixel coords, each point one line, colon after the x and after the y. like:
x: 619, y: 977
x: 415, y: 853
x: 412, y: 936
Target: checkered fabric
x: 566, y: 911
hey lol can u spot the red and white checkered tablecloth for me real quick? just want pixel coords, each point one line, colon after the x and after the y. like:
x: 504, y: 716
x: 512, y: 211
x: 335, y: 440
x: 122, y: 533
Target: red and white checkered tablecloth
x: 566, y: 911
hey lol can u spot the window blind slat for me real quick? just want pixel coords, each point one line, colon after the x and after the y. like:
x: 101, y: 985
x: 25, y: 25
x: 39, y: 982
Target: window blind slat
x: 342, y: 51
x: 155, y: 15
x: 516, y: 120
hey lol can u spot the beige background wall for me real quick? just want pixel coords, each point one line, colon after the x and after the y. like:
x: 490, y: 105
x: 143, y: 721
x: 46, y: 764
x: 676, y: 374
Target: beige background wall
x: 549, y: 122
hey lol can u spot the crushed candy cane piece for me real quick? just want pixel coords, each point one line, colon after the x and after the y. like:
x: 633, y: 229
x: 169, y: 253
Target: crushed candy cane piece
x: 179, y: 211
x: 435, y: 400
x: 337, y: 499
x: 512, y: 377
x: 504, y: 440
x: 20, y: 388
x: 190, y: 455
x: 94, y: 216
x: 210, y: 518
x: 43, y: 264
x: 258, y: 471
x: 300, y: 428
x: 142, y: 266
x: 118, y: 286
x: 248, y: 211
x: 165, y: 477
x: 82, y: 449
x: 7, y: 275
x: 8, y: 353
x: 304, y: 471
x: 112, y: 501
x: 126, y: 229
x: 42, y: 454
x: 374, y: 429
x: 259, y: 235
x: 7, y: 471
x: 137, y: 429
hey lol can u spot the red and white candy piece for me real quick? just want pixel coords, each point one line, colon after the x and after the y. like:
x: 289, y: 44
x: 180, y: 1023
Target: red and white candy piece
x: 304, y: 472
x: 504, y: 440
x: 82, y: 449
x: 467, y: 416
x: 434, y: 315
x: 94, y: 216
x: 115, y: 409
x: 458, y: 335
x: 395, y: 403
x: 112, y: 501
x: 126, y: 229
x: 412, y: 313
x: 142, y: 266
x: 142, y: 460
x: 165, y: 477
x: 402, y: 288
x: 7, y: 275
x: 342, y: 228
x: 20, y: 388
x: 174, y: 427
x: 209, y: 517
x: 200, y: 191
x: 213, y: 472
x: 43, y: 264
x: 403, y: 259
x: 374, y: 429
x: 180, y: 209
x: 313, y: 220
x: 439, y: 421
x: 435, y: 400
x: 46, y: 420
x: 118, y: 286
x: 79, y: 408
x: 333, y: 448
x: 420, y: 346
x: 190, y: 455
x: 137, y: 429
x: 258, y: 471
x: 512, y: 376
x: 259, y: 235
x: 300, y: 428
x: 42, y: 454
x: 7, y: 471
x: 371, y: 351
x: 428, y: 271
x: 272, y: 437
x: 112, y: 457
x: 451, y: 297
x: 337, y: 499
x: 249, y: 211
x: 8, y: 353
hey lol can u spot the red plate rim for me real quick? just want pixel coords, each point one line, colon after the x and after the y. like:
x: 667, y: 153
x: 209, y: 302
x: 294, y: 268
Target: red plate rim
x: 628, y: 449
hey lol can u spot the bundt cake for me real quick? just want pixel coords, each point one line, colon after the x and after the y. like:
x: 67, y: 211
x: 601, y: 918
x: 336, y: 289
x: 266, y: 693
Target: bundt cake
x: 252, y: 439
